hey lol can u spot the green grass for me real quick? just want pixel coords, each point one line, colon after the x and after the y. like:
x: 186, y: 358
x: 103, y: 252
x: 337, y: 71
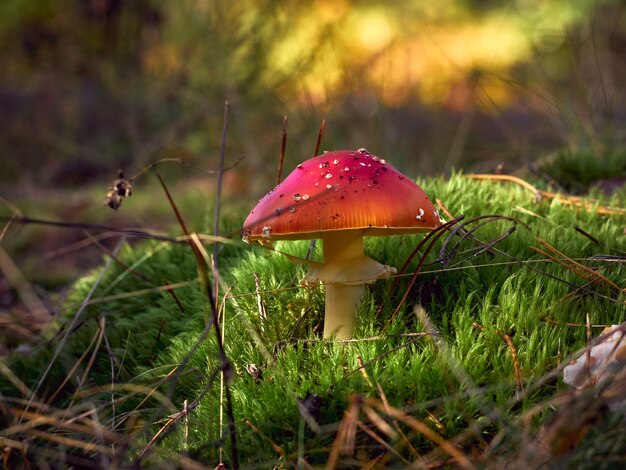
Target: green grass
x: 465, y: 379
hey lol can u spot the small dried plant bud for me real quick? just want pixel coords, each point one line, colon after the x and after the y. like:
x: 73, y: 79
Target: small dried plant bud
x: 116, y: 193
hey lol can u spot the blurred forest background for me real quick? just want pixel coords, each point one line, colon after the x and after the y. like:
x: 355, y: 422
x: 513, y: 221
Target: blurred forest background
x: 91, y: 86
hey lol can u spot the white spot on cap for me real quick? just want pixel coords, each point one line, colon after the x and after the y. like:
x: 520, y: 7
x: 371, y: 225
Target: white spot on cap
x: 266, y: 232
x: 305, y: 197
x: 328, y: 176
x: 292, y: 209
x: 336, y: 162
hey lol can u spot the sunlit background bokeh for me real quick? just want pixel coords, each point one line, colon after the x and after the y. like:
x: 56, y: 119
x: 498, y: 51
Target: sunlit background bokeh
x: 95, y: 85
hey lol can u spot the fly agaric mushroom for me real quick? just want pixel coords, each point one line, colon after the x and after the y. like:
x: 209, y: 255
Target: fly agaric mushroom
x: 341, y: 197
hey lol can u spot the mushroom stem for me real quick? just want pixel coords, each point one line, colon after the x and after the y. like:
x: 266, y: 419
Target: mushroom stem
x: 341, y: 251
x: 342, y: 302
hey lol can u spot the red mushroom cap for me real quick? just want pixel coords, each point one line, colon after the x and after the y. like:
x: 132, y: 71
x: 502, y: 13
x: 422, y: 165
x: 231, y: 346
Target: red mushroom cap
x: 341, y: 190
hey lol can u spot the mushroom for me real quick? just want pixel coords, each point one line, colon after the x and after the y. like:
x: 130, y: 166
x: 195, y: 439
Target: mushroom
x: 341, y: 197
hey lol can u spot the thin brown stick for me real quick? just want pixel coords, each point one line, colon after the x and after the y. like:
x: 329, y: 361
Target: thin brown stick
x: 320, y: 135
x: 213, y: 321
x: 109, y: 253
x: 587, y: 235
x: 281, y: 157
x: 132, y: 232
x: 429, y: 241
x: 218, y: 203
x: 588, y: 348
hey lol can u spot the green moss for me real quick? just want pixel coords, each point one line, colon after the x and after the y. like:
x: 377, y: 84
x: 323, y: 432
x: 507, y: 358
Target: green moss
x: 473, y: 303
x: 577, y: 171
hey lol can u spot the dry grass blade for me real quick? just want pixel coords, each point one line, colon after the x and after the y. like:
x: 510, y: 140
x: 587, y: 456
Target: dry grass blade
x: 278, y: 449
x: 111, y: 255
x: 152, y: 392
x: 593, y: 274
x: 260, y: 303
x: 405, y: 439
x: 71, y: 373
x: 39, y: 314
x: 14, y: 379
x: 366, y: 376
x: 572, y: 324
x: 140, y: 292
x: 461, y: 459
x: 31, y: 420
x: 513, y: 179
x: 73, y: 323
x: 171, y: 420
x: 212, y: 321
x: 16, y: 213
x: 580, y: 272
x: 13, y: 444
x: 100, y: 335
x: 71, y: 442
x: 576, y: 201
x: 511, y: 346
x: 77, y: 246
x: 346, y: 435
x: 380, y: 423
x: 380, y: 440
